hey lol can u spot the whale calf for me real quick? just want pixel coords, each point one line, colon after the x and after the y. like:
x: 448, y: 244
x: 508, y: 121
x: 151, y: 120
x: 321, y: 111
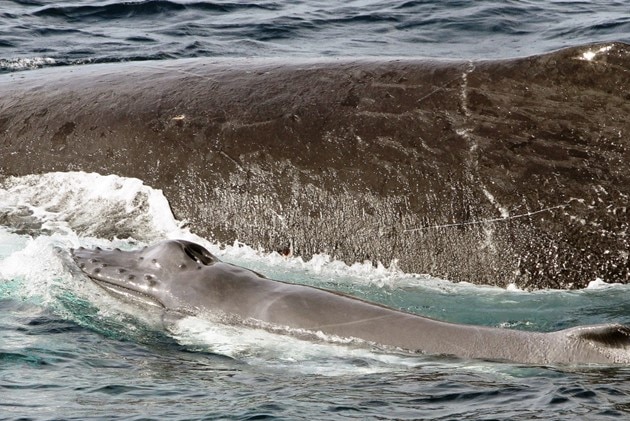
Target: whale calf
x: 182, y: 276
x: 490, y: 172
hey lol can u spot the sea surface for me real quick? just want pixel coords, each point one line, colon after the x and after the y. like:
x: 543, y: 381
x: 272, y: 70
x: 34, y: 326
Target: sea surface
x: 43, y: 32
x: 70, y: 351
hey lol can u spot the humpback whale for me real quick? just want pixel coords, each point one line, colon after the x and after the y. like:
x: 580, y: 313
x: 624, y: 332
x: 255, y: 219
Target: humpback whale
x: 182, y: 276
x: 495, y: 172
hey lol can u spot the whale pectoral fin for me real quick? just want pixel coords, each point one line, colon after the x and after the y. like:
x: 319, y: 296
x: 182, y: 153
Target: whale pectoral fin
x: 614, y: 336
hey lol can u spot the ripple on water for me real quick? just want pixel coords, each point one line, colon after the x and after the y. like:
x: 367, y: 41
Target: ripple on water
x: 157, y: 29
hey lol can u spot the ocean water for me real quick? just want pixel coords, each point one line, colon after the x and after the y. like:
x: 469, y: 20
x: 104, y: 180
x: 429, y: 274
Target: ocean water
x: 37, y: 33
x: 70, y: 351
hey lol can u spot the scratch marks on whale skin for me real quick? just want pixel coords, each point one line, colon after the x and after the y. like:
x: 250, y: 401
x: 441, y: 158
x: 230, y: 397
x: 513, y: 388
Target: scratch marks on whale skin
x: 463, y: 96
x: 237, y: 125
x: 232, y: 160
x: 466, y: 132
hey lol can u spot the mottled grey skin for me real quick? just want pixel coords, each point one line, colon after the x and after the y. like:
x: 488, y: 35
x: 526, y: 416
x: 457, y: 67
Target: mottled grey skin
x: 183, y: 276
x: 494, y: 172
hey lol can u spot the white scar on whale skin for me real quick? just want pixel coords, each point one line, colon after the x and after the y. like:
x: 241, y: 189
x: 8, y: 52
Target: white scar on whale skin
x: 184, y: 277
x: 502, y: 209
x: 464, y: 90
x: 590, y: 54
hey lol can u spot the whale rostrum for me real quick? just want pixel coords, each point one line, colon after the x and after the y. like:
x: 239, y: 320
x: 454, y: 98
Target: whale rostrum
x: 182, y: 276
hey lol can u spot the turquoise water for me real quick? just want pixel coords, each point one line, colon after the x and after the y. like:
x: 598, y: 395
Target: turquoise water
x: 70, y: 351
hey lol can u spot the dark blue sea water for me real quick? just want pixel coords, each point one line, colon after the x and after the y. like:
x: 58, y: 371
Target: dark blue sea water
x: 69, y: 351
x: 43, y: 32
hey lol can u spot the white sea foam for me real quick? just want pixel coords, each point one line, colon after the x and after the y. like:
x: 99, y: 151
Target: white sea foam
x: 513, y: 288
x: 37, y: 263
x: 91, y: 204
x: 26, y: 63
x: 599, y: 283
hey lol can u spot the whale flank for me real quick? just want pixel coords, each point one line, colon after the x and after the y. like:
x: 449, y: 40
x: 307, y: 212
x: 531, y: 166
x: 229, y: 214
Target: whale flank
x: 491, y: 172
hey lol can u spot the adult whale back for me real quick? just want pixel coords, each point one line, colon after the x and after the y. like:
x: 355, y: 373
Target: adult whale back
x: 511, y: 171
x: 180, y: 276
